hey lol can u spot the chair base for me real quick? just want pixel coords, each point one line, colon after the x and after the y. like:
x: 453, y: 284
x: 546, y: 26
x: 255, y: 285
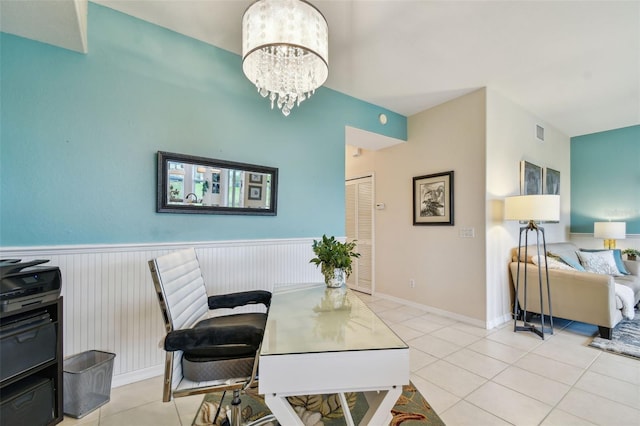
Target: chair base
x: 236, y: 414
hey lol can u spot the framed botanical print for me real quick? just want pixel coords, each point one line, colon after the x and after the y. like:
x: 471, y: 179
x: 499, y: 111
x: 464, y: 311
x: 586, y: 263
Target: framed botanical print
x: 433, y: 199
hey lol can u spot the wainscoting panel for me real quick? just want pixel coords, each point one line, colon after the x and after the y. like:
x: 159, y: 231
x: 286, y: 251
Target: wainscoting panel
x: 110, y: 302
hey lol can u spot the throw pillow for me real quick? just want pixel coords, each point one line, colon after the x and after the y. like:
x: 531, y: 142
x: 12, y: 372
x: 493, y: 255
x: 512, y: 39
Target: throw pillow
x: 569, y: 261
x: 617, y: 256
x: 599, y: 262
x: 552, y: 263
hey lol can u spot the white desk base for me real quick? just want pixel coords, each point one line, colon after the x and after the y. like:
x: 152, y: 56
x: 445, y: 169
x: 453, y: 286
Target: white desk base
x: 379, y: 412
x: 379, y: 374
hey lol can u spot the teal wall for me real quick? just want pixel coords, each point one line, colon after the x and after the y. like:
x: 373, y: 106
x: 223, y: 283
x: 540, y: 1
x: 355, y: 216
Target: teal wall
x: 79, y: 136
x: 605, y: 179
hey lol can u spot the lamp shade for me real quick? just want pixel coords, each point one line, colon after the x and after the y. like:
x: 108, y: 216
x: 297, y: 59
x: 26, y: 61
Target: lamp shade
x: 610, y: 230
x: 532, y: 207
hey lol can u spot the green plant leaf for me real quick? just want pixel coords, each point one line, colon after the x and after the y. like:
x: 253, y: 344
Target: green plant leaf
x: 332, y: 254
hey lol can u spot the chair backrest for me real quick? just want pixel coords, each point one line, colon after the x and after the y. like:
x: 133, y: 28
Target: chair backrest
x: 183, y: 302
x: 180, y: 288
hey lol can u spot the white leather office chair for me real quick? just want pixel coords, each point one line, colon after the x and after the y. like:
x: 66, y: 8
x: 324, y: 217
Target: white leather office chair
x: 204, y: 353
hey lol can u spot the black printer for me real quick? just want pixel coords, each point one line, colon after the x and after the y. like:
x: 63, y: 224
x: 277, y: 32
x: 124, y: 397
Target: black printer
x: 24, y: 283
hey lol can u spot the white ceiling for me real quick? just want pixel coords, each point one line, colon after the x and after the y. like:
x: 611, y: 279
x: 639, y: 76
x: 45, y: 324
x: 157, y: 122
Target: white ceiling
x: 575, y: 64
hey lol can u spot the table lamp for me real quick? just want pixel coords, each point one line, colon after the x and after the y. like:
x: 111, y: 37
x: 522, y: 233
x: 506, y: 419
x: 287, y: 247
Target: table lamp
x: 610, y: 232
x: 533, y: 209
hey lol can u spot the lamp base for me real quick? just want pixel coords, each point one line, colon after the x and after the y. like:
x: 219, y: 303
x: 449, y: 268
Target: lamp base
x: 522, y: 313
x: 610, y: 244
x: 534, y: 329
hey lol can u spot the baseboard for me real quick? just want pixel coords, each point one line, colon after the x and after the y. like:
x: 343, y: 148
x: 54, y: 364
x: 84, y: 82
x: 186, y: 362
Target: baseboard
x: 137, y: 376
x: 496, y: 322
x: 433, y: 310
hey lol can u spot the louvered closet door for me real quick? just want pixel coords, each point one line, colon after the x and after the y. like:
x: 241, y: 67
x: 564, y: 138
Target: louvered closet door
x: 359, y: 227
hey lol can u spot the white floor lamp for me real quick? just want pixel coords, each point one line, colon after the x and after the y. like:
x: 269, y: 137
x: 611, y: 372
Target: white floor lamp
x: 532, y: 209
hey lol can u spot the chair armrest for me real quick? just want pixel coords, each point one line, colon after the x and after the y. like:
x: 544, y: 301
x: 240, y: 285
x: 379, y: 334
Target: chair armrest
x: 232, y: 300
x: 212, y: 336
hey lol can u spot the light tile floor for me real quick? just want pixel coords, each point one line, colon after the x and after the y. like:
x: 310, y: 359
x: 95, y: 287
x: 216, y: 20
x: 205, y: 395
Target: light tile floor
x: 469, y: 375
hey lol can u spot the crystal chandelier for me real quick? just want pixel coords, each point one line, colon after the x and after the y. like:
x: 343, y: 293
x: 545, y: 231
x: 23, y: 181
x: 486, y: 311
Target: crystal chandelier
x: 285, y: 50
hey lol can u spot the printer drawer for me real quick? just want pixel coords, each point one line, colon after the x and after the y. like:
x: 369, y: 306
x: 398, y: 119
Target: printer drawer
x: 26, y: 344
x: 27, y: 402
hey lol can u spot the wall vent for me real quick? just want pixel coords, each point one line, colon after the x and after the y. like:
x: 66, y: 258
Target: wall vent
x: 540, y: 133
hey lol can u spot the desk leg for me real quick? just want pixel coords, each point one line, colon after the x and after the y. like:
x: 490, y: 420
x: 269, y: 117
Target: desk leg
x: 345, y: 409
x: 380, y: 405
x: 283, y: 411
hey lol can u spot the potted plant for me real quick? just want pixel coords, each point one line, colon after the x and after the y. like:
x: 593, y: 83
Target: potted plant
x: 334, y: 259
x: 632, y: 254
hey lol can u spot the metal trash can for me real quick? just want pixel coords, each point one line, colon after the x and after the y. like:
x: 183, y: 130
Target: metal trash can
x: 87, y: 382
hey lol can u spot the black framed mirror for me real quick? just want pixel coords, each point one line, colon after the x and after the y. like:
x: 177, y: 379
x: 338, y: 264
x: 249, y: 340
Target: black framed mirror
x: 191, y: 184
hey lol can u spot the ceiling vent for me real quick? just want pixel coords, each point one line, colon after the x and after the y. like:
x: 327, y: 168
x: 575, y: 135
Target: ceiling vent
x: 540, y: 133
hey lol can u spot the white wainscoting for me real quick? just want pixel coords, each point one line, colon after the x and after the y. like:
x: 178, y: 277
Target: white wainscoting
x: 110, y: 302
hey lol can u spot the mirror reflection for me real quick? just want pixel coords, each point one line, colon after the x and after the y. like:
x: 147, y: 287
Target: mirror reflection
x: 189, y: 184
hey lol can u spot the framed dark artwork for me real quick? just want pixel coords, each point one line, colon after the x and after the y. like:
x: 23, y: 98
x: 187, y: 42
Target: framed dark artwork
x: 255, y: 178
x: 433, y: 199
x: 551, y: 184
x: 530, y: 178
x: 551, y: 181
x: 255, y: 192
x: 215, y: 188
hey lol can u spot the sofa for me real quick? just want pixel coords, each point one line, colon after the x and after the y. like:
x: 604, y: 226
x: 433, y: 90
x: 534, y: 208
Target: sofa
x: 576, y: 293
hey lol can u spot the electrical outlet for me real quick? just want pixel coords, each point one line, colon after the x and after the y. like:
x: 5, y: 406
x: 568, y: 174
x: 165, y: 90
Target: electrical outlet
x: 412, y: 283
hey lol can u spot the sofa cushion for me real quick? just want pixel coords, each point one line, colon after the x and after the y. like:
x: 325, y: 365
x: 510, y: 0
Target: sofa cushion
x: 552, y: 263
x: 567, y: 253
x: 572, y: 261
x: 617, y: 256
x: 599, y: 262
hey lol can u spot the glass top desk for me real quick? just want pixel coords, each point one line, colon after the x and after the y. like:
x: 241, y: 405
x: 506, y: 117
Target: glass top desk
x: 322, y: 341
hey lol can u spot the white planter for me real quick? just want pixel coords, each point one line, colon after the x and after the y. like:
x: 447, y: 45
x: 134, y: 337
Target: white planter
x: 336, y: 280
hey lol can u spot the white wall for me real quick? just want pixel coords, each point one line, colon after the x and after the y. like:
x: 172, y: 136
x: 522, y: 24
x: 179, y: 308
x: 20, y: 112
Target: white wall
x: 483, y: 137
x: 449, y: 271
x: 510, y: 139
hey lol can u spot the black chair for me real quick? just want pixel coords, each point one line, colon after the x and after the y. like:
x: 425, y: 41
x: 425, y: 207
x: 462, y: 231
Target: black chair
x: 206, y: 353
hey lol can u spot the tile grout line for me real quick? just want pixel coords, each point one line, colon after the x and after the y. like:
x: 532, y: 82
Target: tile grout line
x: 556, y: 406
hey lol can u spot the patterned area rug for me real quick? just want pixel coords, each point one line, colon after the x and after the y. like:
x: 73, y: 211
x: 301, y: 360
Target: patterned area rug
x: 625, y: 338
x: 324, y: 410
